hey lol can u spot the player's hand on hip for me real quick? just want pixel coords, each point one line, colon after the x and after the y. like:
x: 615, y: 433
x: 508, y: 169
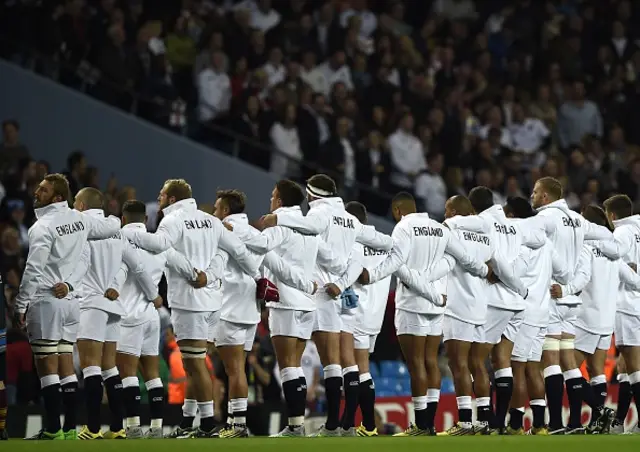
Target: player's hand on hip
x: 60, y: 290
x: 364, y: 277
x: 633, y: 266
x: 332, y: 290
x: 112, y: 294
x: 157, y: 302
x: 20, y: 320
x: 556, y: 291
x: 229, y: 226
x: 200, y: 281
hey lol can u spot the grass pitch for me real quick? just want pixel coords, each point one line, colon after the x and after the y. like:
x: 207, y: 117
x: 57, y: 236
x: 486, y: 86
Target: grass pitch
x: 382, y: 444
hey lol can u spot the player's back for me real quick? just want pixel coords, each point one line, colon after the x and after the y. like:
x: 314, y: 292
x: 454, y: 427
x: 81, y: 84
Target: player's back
x: 597, y: 313
x: 629, y: 299
x: 200, y: 236
x: 372, y: 297
x: 565, y: 231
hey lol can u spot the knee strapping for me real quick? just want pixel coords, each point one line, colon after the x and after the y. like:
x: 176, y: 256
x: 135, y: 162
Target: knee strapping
x: 551, y: 344
x: 43, y: 348
x: 567, y: 344
x: 65, y: 347
x: 193, y: 352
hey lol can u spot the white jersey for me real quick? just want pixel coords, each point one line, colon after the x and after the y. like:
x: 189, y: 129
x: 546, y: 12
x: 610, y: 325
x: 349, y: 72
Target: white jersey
x: 507, y: 236
x: 136, y: 304
x: 339, y: 229
x: 197, y: 236
x: 567, y: 230
x: 239, y: 289
x: 420, y: 243
x: 108, y: 258
x: 56, y: 243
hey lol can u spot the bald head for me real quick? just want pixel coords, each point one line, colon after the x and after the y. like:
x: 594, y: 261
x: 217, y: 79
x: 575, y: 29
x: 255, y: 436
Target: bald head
x: 89, y: 198
x: 403, y: 204
x: 458, y: 205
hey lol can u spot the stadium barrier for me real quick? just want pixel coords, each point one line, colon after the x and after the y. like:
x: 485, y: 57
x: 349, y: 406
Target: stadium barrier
x: 268, y: 419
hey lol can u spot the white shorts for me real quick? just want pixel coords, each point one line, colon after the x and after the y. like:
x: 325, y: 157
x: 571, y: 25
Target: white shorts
x: 459, y: 330
x: 590, y: 342
x: 415, y: 324
x: 349, y: 320
x: 365, y: 342
x: 627, y: 330
x: 501, y: 322
x: 562, y: 319
x: 99, y: 326
x: 291, y: 323
x: 229, y: 334
x: 528, y: 344
x: 328, y: 312
x: 53, y: 320
x: 194, y: 325
x: 140, y: 340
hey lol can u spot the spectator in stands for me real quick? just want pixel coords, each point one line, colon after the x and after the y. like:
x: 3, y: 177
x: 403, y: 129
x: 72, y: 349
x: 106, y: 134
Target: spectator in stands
x: 11, y: 149
x: 431, y: 189
x: 529, y: 137
x: 214, y: 91
x: 577, y: 118
x: 19, y: 368
x: 275, y: 70
x: 75, y: 173
x: 338, y: 154
x: 407, y: 155
x: 335, y: 70
x: 285, y: 163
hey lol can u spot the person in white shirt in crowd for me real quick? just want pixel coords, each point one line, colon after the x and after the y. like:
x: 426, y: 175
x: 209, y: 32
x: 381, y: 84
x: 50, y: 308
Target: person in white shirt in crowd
x: 57, y: 247
x: 494, y: 120
x: 139, y: 339
x: 359, y: 8
x: 506, y: 302
x: 285, y: 162
x: 540, y: 265
x: 291, y: 321
x: 214, y: 90
x: 100, y: 313
x: 194, y: 310
x: 420, y: 243
x: 310, y: 74
x: 263, y: 16
x: 619, y: 210
x: 529, y: 137
x: 274, y: 68
x: 407, y: 154
x: 332, y: 329
x: 335, y: 70
x: 241, y: 312
x: 431, y: 188
x: 567, y: 231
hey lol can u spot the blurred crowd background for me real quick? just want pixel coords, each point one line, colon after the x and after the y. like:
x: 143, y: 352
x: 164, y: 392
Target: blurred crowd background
x: 429, y: 96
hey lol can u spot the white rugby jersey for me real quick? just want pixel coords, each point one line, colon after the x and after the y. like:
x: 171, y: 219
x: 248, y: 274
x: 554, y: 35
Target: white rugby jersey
x: 625, y: 235
x: 197, y: 236
x: 567, y: 231
x: 420, y: 243
x: 106, y: 259
x: 627, y: 231
x: 508, y: 237
x: 298, y: 250
x: 339, y: 229
x: 598, y: 310
x: 56, y: 243
x: 239, y: 289
x: 138, y: 309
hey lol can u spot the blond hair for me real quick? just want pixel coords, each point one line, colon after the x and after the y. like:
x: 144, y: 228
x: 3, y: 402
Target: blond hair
x: 177, y: 188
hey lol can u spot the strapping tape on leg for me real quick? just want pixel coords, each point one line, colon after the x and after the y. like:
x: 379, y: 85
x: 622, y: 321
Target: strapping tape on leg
x: 193, y: 352
x: 42, y: 348
x: 551, y: 344
x: 65, y: 347
x: 567, y: 344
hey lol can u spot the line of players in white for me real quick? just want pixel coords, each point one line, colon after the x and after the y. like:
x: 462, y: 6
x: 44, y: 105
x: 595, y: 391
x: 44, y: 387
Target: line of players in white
x: 483, y: 281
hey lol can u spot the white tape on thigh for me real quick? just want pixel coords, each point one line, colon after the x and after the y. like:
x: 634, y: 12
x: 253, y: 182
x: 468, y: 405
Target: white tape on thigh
x: 193, y: 352
x: 65, y: 347
x: 43, y: 348
x: 551, y: 344
x: 567, y: 344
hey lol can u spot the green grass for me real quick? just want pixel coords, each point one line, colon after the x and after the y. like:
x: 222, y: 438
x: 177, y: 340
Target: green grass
x: 461, y: 444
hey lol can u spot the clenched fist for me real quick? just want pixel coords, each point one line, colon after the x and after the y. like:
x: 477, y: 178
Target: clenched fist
x: 112, y: 294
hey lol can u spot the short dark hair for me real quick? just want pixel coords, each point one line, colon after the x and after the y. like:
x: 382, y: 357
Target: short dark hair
x: 620, y: 205
x: 481, y: 198
x: 74, y: 158
x: 323, y: 182
x: 134, y: 211
x: 552, y: 187
x: 596, y: 215
x: 519, y: 207
x: 290, y: 193
x: 234, y: 199
x: 358, y: 210
x: 60, y: 185
x: 92, y: 197
x: 10, y: 122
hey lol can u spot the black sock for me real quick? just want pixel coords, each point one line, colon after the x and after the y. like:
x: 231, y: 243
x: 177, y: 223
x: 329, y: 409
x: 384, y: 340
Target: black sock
x: 485, y: 414
x: 292, y: 395
x: 554, y: 387
x: 187, y: 422
x: 367, y: 400
x: 421, y: 419
x: 93, y: 400
x: 600, y: 393
x: 156, y: 403
x: 69, y: 396
x: 575, y: 391
x: 302, y: 402
x: 538, y: 416
x: 351, y: 388
x: 590, y: 398
x: 333, y: 394
x: 504, y: 389
x: 516, y: 418
x: 114, y: 395
x: 52, y: 402
x: 207, y: 424
x: 465, y: 414
x: 432, y: 409
x: 131, y: 399
x: 624, y: 401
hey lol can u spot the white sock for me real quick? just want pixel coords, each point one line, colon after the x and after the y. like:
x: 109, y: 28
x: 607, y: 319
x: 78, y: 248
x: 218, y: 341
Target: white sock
x: 239, y: 406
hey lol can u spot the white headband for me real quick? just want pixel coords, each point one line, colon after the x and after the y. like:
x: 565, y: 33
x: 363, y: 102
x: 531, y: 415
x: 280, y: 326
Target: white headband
x: 318, y: 192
